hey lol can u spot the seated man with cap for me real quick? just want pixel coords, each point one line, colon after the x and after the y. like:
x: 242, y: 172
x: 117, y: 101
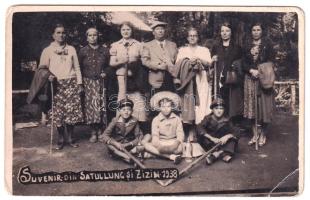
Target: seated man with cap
x: 217, y: 128
x: 159, y: 56
x: 123, y: 132
x: 167, y: 137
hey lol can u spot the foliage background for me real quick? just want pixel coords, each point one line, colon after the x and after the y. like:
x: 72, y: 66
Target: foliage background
x: 32, y: 33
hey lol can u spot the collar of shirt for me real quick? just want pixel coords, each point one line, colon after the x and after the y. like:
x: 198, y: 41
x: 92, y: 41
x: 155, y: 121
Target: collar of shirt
x: 161, y: 42
x: 128, y: 123
x: 162, y: 117
x: 97, y: 47
x: 130, y: 41
x: 221, y: 120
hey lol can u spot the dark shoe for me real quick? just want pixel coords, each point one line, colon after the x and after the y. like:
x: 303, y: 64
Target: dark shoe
x: 73, y: 145
x: 210, y: 159
x: 59, y: 146
x: 177, y: 160
x: 93, y: 138
x: 227, y: 157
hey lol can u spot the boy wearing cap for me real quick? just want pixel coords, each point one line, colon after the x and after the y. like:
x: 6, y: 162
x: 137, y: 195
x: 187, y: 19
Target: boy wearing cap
x: 167, y: 131
x: 159, y: 56
x: 216, y: 128
x: 123, y: 132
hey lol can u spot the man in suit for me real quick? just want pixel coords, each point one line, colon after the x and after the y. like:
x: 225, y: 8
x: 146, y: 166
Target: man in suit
x: 159, y: 56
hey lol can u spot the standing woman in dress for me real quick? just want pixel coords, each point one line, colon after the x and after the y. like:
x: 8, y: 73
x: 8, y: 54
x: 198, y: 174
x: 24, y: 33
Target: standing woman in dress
x: 225, y: 52
x: 62, y: 61
x: 257, y: 51
x: 131, y: 82
x: 193, y: 61
x: 94, y: 59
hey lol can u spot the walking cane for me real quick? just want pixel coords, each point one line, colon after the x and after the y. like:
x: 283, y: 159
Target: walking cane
x: 140, y: 164
x: 52, y: 121
x: 215, y: 80
x: 191, y: 165
x: 256, y: 116
x: 104, y: 106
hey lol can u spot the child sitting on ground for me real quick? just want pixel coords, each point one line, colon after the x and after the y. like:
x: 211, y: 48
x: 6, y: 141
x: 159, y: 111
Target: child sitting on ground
x: 167, y: 136
x: 123, y: 132
x: 216, y: 128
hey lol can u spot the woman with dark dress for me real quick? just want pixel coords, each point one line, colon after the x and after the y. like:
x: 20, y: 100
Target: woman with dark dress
x: 93, y: 58
x: 228, y: 57
x: 257, y: 50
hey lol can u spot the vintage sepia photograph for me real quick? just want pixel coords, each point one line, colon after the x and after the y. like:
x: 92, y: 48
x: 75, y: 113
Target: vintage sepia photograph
x: 154, y: 101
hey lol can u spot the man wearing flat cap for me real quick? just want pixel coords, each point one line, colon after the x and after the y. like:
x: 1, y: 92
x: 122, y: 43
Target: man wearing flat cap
x: 159, y: 56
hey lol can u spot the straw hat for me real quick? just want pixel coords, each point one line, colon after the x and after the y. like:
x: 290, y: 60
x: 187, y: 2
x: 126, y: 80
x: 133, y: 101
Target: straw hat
x: 165, y: 95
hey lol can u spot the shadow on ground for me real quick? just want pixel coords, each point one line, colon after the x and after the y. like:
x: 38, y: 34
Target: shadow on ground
x: 255, y: 172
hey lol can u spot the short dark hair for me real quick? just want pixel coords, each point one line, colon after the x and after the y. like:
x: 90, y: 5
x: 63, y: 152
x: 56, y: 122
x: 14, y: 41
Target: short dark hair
x: 164, y: 100
x: 58, y: 25
x: 127, y: 23
x: 257, y: 24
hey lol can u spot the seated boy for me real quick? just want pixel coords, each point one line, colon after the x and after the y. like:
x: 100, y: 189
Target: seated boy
x: 216, y: 128
x: 123, y: 132
x: 167, y: 137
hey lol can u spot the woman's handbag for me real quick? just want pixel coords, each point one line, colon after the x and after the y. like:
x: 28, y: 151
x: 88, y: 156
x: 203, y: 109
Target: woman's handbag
x: 231, y: 77
x: 266, y: 75
x: 234, y: 74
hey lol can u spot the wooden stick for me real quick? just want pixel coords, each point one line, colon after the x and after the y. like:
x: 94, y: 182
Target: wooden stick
x: 256, y: 116
x: 215, y: 80
x: 140, y: 164
x: 126, y: 68
x: 103, y: 107
x: 191, y: 165
x: 52, y: 121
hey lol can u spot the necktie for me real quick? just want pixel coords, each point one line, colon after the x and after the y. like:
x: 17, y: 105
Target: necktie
x: 162, y: 45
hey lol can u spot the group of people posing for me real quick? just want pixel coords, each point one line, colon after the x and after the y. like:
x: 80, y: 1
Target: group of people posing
x: 171, y: 102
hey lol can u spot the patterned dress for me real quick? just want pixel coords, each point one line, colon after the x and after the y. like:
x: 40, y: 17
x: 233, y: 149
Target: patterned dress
x: 265, y: 97
x: 93, y: 62
x: 67, y: 106
x: 62, y: 62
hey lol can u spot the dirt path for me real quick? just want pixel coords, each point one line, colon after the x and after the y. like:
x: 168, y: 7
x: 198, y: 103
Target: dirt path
x: 251, y: 171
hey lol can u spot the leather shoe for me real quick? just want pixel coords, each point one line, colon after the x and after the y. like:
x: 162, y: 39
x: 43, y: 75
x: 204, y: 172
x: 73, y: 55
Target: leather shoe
x: 59, y: 146
x: 74, y: 145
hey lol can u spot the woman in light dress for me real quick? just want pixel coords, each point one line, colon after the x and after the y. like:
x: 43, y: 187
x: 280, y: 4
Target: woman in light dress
x: 199, y: 58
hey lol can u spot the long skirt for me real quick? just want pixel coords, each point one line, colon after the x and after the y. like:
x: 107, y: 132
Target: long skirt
x: 233, y: 98
x: 93, y: 102
x: 265, y: 101
x: 67, y: 108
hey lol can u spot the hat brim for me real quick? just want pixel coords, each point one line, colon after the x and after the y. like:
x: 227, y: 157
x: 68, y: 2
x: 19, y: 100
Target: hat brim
x: 162, y: 95
x: 158, y: 24
x: 217, y: 105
